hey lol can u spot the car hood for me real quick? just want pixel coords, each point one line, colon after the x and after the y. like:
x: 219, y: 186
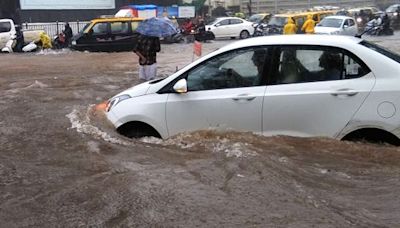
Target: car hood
x: 325, y: 30
x: 136, y: 91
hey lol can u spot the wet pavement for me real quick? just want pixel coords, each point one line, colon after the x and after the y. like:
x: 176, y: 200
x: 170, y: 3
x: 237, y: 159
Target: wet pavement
x: 63, y: 165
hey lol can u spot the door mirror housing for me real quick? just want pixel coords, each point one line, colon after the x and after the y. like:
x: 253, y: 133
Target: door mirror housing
x: 345, y: 26
x: 180, y: 86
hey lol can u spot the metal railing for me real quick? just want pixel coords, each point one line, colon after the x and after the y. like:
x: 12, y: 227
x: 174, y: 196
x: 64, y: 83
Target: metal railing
x: 54, y: 28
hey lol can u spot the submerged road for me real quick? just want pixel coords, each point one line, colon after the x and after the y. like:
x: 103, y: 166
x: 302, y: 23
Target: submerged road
x: 63, y: 165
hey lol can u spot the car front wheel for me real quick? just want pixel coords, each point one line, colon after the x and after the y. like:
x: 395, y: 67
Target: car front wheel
x: 244, y: 34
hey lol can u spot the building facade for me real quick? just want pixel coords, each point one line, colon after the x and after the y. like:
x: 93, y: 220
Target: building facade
x: 73, y: 10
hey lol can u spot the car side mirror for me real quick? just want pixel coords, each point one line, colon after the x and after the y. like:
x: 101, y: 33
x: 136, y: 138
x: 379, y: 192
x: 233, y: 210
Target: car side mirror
x: 180, y: 86
x: 216, y: 25
x: 345, y: 26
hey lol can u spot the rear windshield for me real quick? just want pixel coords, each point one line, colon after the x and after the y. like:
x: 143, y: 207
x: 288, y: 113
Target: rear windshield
x: 382, y: 50
x: 5, y: 26
x: 331, y: 22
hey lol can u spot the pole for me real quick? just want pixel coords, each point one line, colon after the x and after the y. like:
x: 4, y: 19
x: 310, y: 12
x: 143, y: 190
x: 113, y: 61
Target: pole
x: 209, y: 8
x: 250, y: 8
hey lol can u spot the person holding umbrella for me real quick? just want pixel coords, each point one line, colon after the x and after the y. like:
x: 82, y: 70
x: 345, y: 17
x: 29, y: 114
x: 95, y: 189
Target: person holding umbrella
x: 148, y: 44
x: 146, y: 49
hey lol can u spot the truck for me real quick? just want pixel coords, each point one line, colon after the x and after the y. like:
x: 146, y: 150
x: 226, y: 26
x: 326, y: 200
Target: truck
x: 8, y: 33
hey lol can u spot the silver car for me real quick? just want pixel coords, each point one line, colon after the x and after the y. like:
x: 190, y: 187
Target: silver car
x: 337, y: 25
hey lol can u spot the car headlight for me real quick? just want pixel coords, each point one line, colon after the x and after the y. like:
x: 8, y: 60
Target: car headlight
x: 73, y: 42
x: 359, y: 19
x: 114, y: 101
x: 395, y: 14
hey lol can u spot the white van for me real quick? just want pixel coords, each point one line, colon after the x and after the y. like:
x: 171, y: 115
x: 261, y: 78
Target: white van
x: 7, y: 31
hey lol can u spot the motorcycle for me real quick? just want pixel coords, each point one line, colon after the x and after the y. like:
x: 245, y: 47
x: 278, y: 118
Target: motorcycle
x: 31, y: 47
x: 10, y: 44
x: 176, y: 38
x: 260, y: 30
x: 377, y: 30
x: 198, y: 35
x: 59, y: 41
x: 203, y: 36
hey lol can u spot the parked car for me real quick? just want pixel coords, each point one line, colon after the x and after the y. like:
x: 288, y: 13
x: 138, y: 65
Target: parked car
x: 300, y: 85
x: 230, y: 27
x: 107, y: 34
x: 337, y: 25
x: 278, y: 21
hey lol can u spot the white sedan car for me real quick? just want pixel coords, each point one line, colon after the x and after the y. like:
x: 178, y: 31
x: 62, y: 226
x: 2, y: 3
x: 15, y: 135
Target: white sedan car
x: 230, y: 27
x: 299, y: 85
x: 337, y: 25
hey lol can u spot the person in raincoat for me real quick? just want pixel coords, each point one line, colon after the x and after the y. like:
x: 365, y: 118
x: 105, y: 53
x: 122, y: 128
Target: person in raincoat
x: 308, y: 26
x: 44, y: 41
x: 290, y: 27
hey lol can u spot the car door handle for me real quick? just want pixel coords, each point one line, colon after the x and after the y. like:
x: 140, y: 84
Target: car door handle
x: 344, y: 92
x: 242, y: 97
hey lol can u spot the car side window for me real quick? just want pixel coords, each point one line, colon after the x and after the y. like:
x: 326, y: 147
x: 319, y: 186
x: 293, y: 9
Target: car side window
x: 311, y: 64
x: 354, y: 67
x: 5, y: 26
x: 351, y: 22
x: 100, y: 29
x: 119, y: 28
x: 224, y: 22
x: 239, y: 68
x: 346, y: 22
x: 134, y: 25
x: 235, y: 21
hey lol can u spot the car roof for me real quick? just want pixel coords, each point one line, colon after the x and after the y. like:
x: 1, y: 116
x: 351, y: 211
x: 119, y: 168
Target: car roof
x: 223, y: 18
x: 111, y: 19
x: 339, y: 17
x: 303, y: 13
x: 362, y: 8
x: 298, y: 39
x: 261, y: 14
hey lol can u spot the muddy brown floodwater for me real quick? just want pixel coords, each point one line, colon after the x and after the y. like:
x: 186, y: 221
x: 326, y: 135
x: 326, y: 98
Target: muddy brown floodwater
x: 63, y: 165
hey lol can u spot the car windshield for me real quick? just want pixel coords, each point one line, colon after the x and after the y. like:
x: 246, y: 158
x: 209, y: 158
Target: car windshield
x: 382, y: 50
x: 213, y: 22
x: 256, y: 18
x: 84, y: 28
x: 331, y: 22
x: 277, y: 21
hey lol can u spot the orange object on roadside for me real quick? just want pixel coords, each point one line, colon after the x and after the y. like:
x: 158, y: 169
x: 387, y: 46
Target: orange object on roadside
x: 197, y: 48
x: 102, y: 106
